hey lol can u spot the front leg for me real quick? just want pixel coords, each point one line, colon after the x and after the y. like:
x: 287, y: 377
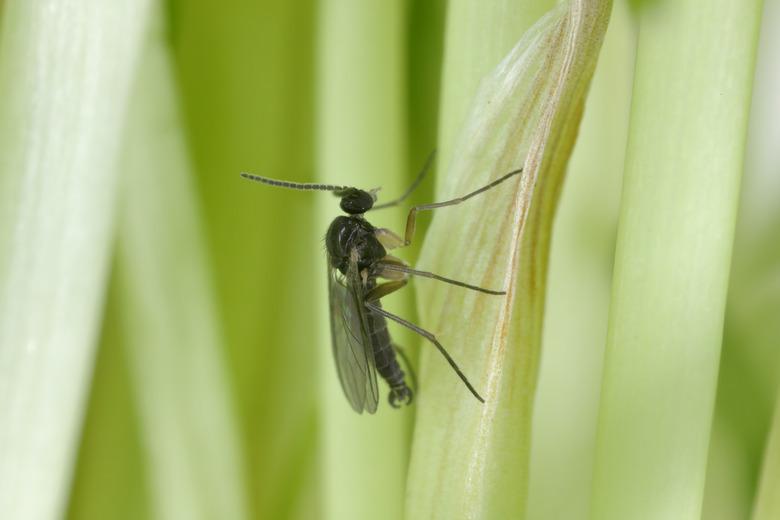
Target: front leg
x: 388, y: 238
x: 411, y: 218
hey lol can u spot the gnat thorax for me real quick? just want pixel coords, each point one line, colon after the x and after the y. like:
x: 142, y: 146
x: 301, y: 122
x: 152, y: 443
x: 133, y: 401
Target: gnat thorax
x: 348, y: 233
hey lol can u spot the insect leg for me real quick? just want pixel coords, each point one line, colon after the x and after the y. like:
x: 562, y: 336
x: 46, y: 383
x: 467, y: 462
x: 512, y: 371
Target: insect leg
x: 383, y: 289
x: 388, y: 238
x: 412, y: 217
x: 425, y: 169
x: 379, y: 269
x: 401, y: 268
x: 430, y: 337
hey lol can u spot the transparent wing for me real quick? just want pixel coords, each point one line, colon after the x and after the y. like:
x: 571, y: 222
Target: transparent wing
x: 351, y: 345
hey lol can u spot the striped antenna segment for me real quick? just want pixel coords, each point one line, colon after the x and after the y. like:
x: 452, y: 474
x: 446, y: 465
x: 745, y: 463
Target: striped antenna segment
x: 293, y: 185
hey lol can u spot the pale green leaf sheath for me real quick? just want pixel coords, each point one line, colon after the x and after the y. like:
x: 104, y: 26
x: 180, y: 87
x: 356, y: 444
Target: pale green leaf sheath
x: 174, y: 345
x: 65, y: 74
x: 684, y: 159
x: 577, y: 301
x: 470, y: 460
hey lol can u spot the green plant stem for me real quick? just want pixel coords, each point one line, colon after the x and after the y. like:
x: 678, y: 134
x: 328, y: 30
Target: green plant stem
x: 360, y: 132
x: 65, y: 74
x: 247, y: 83
x: 470, y: 459
x: 684, y: 161
x: 749, y: 375
x: 577, y: 307
x: 173, y: 344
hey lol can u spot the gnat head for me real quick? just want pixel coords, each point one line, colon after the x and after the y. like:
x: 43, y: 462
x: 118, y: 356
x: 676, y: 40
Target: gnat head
x: 355, y: 201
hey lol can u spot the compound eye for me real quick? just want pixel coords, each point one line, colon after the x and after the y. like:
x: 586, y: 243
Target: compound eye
x: 356, y: 202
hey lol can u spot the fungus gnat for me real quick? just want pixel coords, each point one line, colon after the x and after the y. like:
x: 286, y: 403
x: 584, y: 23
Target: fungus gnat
x: 357, y: 258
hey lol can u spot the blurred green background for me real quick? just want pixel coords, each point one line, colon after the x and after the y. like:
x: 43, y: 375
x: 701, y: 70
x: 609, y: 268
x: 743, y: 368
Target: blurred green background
x: 241, y: 86
x: 246, y: 80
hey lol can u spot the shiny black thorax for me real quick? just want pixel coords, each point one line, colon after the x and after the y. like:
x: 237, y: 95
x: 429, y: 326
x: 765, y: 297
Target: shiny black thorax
x: 352, y: 232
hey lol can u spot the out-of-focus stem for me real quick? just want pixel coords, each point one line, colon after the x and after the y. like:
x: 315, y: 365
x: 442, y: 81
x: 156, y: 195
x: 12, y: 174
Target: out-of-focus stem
x: 684, y: 162
x: 65, y: 74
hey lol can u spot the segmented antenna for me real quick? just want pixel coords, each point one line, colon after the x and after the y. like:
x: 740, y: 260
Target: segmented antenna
x: 293, y: 185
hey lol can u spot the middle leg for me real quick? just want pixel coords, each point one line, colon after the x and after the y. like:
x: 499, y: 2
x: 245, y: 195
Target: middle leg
x: 391, y: 268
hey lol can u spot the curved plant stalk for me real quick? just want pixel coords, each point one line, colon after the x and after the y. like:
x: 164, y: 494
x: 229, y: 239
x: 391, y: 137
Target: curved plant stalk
x: 470, y: 460
x: 749, y: 362
x: 578, y: 289
x: 65, y: 74
x: 173, y: 344
x: 685, y: 152
x: 360, y: 133
x: 477, y: 37
x: 246, y: 83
